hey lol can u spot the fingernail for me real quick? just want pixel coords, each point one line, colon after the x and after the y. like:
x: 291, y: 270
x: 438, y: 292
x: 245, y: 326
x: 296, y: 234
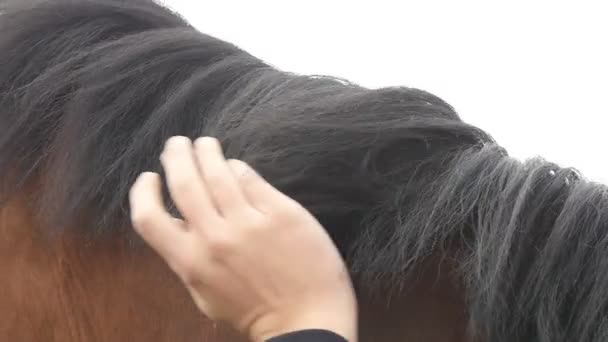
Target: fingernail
x: 206, y: 140
x: 147, y: 177
x: 149, y: 174
x: 177, y: 141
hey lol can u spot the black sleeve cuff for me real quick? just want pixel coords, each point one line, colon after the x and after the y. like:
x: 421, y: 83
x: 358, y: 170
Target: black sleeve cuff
x: 312, y: 335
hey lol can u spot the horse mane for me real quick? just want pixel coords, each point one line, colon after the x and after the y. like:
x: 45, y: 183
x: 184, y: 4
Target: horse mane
x: 91, y: 89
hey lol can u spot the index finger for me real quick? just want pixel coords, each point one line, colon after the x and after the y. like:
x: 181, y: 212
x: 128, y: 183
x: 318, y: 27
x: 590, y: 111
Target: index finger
x: 185, y: 183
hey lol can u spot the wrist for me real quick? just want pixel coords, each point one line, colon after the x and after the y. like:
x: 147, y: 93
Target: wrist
x: 340, y: 322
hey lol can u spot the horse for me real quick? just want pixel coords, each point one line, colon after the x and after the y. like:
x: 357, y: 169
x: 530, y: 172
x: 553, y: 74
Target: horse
x: 446, y: 236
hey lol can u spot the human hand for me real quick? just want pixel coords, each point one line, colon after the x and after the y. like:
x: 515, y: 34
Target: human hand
x: 248, y: 254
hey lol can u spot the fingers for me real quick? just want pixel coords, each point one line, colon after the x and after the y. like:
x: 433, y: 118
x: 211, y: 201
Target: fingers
x: 185, y: 184
x: 261, y: 194
x: 151, y: 220
x: 219, y: 179
x: 205, y: 187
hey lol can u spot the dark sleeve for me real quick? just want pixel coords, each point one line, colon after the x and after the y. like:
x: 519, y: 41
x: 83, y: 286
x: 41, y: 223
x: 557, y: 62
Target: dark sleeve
x: 309, y: 336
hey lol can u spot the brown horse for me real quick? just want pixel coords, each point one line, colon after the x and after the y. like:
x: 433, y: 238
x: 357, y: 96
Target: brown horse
x: 71, y: 290
x: 60, y: 283
x: 446, y: 236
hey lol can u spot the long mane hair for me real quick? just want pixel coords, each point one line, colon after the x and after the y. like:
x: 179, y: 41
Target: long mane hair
x: 91, y: 89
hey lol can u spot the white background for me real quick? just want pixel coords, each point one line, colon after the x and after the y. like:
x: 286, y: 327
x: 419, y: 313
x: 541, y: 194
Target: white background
x: 534, y: 74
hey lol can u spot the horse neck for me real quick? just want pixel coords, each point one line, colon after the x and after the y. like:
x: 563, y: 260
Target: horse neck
x: 430, y: 308
x: 62, y: 290
x: 68, y: 291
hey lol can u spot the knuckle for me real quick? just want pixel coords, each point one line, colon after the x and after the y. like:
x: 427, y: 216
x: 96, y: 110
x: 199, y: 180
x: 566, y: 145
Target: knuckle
x: 224, y: 199
x: 220, y: 245
x: 260, y: 222
x: 247, y: 178
x: 241, y: 169
x: 182, y: 186
x: 216, y: 180
x: 286, y: 210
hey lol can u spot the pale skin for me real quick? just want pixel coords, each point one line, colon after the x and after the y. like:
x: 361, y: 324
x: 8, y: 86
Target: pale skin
x: 249, y: 255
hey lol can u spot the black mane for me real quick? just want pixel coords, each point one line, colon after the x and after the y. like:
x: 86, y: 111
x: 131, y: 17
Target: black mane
x: 91, y: 89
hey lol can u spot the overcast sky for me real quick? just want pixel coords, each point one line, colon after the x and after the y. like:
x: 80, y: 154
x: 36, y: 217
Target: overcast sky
x: 534, y: 74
